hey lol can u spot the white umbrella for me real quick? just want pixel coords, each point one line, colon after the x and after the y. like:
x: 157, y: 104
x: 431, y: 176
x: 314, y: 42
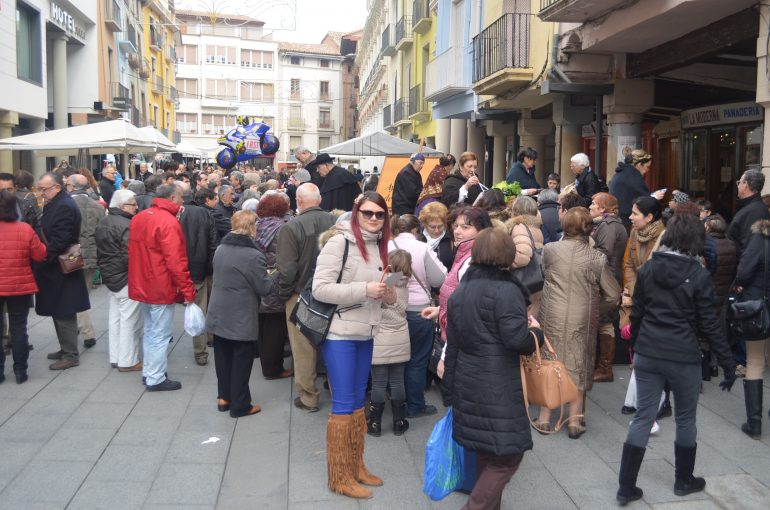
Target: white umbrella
x: 378, y: 144
x: 188, y: 149
x: 162, y: 143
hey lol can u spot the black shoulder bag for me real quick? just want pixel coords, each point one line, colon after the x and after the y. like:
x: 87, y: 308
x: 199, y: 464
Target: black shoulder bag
x: 750, y: 320
x: 311, y: 316
x: 531, y: 275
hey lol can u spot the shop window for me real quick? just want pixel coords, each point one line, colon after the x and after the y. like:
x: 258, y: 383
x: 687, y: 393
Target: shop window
x: 29, y: 56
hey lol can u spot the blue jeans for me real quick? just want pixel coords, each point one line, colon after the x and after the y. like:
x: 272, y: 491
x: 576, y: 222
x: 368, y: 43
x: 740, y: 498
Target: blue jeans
x: 421, y: 338
x: 348, y: 363
x: 158, y: 320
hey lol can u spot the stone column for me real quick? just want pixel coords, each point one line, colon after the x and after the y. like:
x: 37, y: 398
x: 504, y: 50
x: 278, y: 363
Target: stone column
x: 38, y: 163
x: 625, y: 108
x: 763, y: 93
x: 60, y: 94
x: 8, y: 120
x: 499, y: 171
x: 532, y: 133
x: 458, y: 141
x: 476, y: 139
x: 569, y: 122
x: 443, y: 131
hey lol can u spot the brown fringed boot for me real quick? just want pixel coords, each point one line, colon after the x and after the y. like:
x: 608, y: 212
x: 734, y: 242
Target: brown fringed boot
x: 339, y: 457
x: 357, y: 438
x: 603, y: 372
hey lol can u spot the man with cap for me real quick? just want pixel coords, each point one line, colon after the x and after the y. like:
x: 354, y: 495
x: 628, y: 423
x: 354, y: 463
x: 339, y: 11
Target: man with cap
x: 340, y: 188
x: 408, y: 186
x: 295, y: 181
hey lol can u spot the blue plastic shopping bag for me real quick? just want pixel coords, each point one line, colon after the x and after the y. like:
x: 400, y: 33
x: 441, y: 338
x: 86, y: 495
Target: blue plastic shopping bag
x: 443, y: 461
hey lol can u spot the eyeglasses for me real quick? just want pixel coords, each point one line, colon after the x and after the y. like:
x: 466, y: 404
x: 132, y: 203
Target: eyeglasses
x: 132, y: 204
x: 45, y: 190
x: 380, y: 215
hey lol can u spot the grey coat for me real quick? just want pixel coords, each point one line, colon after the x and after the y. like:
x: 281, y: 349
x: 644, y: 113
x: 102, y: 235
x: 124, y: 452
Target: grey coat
x: 91, y: 212
x: 240, y: 280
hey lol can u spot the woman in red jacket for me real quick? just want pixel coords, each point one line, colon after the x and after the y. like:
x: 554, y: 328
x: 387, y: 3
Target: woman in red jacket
x: 19, y: 246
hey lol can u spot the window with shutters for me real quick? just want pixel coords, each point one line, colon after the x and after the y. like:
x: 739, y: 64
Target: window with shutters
x: 220, y: 55
x: 221, y: 89
x: 188, y: 54
x: 324, y: 142
x: 217, y: 124
x: 296, y: 92
x: 187, y: 87
x: 257, y: 59
x: 324, y: 118
x: 187, y: 122
x: 323, y: 89
x: 252, y: 91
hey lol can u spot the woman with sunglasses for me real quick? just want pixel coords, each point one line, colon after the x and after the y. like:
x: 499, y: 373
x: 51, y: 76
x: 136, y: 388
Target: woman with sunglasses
x: 360, y: 296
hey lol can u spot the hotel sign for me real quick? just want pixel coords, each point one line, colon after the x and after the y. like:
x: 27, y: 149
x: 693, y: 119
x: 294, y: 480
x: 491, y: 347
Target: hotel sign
x: 733, y: 113
x: 67, y: 22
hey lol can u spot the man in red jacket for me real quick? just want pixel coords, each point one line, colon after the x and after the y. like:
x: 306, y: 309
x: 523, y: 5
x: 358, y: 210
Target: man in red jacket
x: 158, y: 277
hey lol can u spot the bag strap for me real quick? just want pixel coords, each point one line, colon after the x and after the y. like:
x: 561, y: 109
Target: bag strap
x: 560, y: 423
x: 531, y: 239
x: 344, y: 259
x: 430, y: 296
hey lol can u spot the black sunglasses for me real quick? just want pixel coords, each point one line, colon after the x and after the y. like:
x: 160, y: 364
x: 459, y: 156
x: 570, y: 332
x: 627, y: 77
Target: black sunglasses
x: 380, y: 215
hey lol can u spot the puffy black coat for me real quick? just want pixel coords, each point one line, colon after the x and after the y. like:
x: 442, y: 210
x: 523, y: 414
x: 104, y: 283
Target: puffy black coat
x: 754, y: 267
x: 221, y: 215
x: 551, y: 227
x: 627, y: 184
x: 750, y: 210
x: 588, y: 184
x: 60, y: 294
x: 482, y: 379
x: 674, y: 307
x: 202, y: 239
x: 451, y: 192
x: 112, y: 248
x: 406, y: 190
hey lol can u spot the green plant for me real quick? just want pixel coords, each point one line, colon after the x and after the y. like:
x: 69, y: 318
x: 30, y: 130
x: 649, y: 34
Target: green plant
x: 510, y: 190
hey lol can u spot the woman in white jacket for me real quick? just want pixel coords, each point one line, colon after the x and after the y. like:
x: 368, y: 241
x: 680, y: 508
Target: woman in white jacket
x: 427, y: 272
x: 360, y: 296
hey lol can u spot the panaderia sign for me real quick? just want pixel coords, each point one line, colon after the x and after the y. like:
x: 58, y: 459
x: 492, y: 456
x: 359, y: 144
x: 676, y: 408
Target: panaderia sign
x: 732, y: 113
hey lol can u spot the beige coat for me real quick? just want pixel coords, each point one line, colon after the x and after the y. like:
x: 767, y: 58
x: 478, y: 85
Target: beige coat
x: 579, y: 286
x: 391, y: 343
x: 357, y: 316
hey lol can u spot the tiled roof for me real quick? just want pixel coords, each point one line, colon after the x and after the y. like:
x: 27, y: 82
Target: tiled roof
x: 220, y: 16
x: 317, y: 49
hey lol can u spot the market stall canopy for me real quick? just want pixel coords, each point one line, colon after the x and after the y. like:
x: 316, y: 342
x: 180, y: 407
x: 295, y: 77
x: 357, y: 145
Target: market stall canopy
x: 188, y: 149
x: 114, y: 136
x: 377, y: 144
x: 161, y: 141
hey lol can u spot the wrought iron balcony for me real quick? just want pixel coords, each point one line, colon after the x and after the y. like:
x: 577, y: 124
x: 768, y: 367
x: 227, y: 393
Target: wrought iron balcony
x: 134, y: 60
x: 156, y: 38
x: 418, y: 106
x: 387, y: 49
x: 421, y: 19
x: 144, y: 70
x: 121, y: 96
x: 501, y: 55
x: 326, y: 125
x: 296, y: 124
x: 113, y: 16
x: 404, y: 33
x: 386, y: 116
x: 401, y: 112
x: 157, y: 84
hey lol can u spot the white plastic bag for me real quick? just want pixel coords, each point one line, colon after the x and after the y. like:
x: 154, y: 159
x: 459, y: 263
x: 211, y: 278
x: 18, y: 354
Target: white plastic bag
x: 194, y: 320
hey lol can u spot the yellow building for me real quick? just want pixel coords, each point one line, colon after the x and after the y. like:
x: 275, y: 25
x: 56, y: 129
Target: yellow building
x: 161, y: 35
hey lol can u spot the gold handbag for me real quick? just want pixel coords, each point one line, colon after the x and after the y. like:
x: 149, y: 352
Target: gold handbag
x: 545, y: 382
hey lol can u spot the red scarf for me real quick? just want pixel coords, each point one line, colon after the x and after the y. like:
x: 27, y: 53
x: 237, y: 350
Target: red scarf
x: 451, y: 282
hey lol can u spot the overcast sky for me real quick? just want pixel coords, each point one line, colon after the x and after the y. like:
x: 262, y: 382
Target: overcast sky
x: 310, y: 22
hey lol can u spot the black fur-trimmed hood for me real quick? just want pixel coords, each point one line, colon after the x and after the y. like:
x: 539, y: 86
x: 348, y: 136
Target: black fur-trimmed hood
x: 761, y: 227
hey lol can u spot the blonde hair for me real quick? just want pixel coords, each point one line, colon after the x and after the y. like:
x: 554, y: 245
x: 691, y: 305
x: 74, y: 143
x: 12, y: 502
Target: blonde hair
x: 244, y: 223
x: 400, y: 260
x: 640, y: 156
x: 433, y: 211
x: 467, y: 156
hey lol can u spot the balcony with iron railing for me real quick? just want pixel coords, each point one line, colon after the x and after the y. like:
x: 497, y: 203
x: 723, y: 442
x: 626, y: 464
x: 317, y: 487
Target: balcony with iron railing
x: 136, y: 117
x: 449, y: 73
x: 576, y: 11
x: 501, y: 55
x: 325, y: 125
x: 157, y: 84
x: 387, y: 49
x: 171, y: 53
x: 120, y: 96
x: 418, y: 106
x: 296, y: 124
x: 401, y: 112
x: 173, y: 95
x: 387, y: 116
x: 156, y: 38
x: 113, y: 16
x: 134, y: 60
x: 404, y: 37
x: 421, y: 19
x: 144, y: 70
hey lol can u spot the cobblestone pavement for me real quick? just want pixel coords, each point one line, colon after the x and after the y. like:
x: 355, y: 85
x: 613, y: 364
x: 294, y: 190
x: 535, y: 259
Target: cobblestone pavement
x: 91, y: 437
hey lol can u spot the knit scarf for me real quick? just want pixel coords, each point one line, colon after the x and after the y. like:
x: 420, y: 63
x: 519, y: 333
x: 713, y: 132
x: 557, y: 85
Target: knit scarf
x: 432, y: 241
x: 451, y: 282
x: 267, y: 229
x: 650, y: 231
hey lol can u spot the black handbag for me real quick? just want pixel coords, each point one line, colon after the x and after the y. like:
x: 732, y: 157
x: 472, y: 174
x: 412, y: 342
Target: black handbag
x: 436, y: 350
x: 531, y: 275
x: 313, y: 317
x: 750, y: 320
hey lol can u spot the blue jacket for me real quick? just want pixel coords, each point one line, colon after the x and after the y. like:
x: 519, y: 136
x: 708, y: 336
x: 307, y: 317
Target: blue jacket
x: 526, y: 179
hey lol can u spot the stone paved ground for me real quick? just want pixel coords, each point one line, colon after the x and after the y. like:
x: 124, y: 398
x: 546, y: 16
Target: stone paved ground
x: 91, y: 437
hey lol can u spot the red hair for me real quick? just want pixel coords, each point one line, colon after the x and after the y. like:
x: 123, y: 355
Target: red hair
x: 375, y: 198
x: 272, y: 205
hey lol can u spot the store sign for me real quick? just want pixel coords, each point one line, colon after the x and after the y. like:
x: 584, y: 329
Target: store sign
x: 733, y: 113
x: 67, y: 22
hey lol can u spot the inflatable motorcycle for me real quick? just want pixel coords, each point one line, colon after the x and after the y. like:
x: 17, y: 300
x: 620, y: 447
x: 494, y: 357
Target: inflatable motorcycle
x: 244, y: 142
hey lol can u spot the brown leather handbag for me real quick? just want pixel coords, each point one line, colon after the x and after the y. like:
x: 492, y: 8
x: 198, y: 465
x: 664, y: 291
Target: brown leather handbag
x: 546, y: 382
x: 71, y: 260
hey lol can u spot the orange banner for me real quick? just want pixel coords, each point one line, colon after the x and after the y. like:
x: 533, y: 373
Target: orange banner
x: 390, y: 169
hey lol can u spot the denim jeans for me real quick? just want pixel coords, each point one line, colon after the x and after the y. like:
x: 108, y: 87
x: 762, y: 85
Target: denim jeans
x: 348, y: 363
x: 421, y: 338
x: 18, y: 310
x: 158, y: 320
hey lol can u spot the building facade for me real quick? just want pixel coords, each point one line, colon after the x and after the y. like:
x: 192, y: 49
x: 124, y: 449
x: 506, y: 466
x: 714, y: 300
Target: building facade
x: 161, y: 36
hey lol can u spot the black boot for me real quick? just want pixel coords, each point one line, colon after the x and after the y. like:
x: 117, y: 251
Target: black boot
x: 685, y: 463
x: 400, y: 425
x: 629, y: 470
x: 752, y: 394
x: 374, y: 420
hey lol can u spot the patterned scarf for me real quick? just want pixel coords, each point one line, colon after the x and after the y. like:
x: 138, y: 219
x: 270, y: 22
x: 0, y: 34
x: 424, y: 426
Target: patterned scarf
x: 451, y: 282
x: 267, y: 229
x: 650, y: 231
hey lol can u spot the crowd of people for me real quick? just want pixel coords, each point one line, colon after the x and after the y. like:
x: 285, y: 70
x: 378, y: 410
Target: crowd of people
x: 584, y: 266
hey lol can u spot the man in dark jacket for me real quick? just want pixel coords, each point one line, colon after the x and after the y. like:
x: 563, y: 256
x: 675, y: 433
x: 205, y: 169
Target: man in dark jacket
x: 523, y: 172
x: 750, y: 208
x: 295, y: 181
x: 107, y: 182
x: 61, y: 296
x: 201, y: 236
x: 112, y: 257
x: 628, y: 183
x: 586, y: 180
x: 308, y: 162
x: 158, y: 277
x: 91, y: 212
x: 408, y: 186
x: 340, y: 188
x: 25, y: 200
x: 547, y: 203
x: 297, y: 251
